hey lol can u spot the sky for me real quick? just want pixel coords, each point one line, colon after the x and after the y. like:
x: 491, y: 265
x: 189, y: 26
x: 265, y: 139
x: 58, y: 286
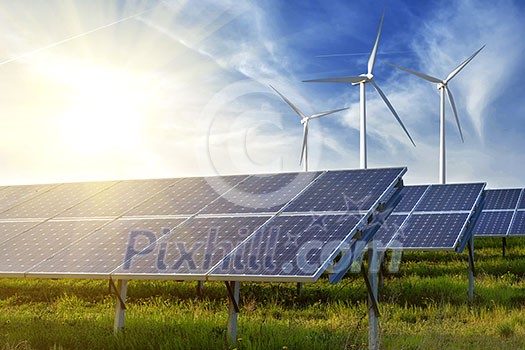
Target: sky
x: 111, y: 89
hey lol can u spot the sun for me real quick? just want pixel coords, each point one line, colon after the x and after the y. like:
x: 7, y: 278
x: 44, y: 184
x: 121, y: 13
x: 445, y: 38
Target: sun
x: 103, y: 112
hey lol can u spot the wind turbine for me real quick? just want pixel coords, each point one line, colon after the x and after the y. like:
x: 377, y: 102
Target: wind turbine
x: 362, y: 80
x: 304, y: 121
x: 442, y: 86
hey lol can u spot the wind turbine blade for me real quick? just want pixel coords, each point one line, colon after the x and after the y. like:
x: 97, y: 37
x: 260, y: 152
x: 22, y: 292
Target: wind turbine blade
x: 462, y: 65
x: 352, y: 80
x: 453, y: 105
x: 372, y: 58
x: 319, y: 115
x: 392, y: 110
x: 421, y: 75
x: 305, y: 137
x: 299, y: 113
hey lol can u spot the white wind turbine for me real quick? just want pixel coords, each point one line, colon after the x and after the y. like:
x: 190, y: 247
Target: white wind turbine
x: 304, y: 121
x: 362, y: 80
x: 442, y: 85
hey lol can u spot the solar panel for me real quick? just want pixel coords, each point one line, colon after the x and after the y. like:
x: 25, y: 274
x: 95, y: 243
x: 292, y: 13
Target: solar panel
x: 55, y: 200
x: 102, y: 251
x: 500, y: 214
x: 518, y: 226
x: 493, y: 223
x: 430, y: 231
x: 186, y: 197
x: 192, y: 248
x: 25, y: 250
x: 388, y: 230
x: 289, y: 246
x: 454, y: 197
x: 118, y: 199
x: 438, y: 221
x: 10, y: 229
x: 261, y: 193
x: 182, y: 228
x: 409, y: 197
x: 12, y: 195
x: 501, y: 199
x: 346, y: 191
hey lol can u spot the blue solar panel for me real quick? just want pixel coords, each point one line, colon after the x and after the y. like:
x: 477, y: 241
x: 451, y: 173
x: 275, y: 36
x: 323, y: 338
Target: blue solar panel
x: 501, y: 199
x: 457, y: 197
x: 409, y: 196
x: 107, y: 248
x: 493, y: 223
x: 261, y: 193
x: 187, y: 196
x: 347, y: 191
x: 194, y: 247
x: 290, y: 246
x: 388, y: 230
x: 430, y: 231
x: 518, y: 226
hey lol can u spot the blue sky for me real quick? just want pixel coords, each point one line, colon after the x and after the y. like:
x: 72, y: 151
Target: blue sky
x: 180, y: 88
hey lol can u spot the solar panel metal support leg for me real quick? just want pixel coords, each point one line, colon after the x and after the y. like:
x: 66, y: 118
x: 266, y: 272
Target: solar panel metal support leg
x: 371, y: 280
x: 471, y: 271
x: 121, y: 290
x: 233, y: 294
x: 200, y: 288
x: 299, y: 289
x: 504, y: 246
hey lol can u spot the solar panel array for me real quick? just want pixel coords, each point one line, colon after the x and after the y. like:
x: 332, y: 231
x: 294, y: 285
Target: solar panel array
x: 503, y: 214
x: 430, y: 217
x: 258, y: 227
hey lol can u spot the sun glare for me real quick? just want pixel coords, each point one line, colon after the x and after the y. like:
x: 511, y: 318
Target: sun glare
x: 104, y: 114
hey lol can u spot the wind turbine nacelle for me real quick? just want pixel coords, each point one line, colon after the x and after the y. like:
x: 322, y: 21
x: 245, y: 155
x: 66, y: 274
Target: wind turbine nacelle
x: 366, y: 79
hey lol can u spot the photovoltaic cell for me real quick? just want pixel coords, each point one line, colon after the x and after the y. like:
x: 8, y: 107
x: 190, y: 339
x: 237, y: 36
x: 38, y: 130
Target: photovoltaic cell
x: 56, y: 200
x: 104, y: 250
x: 39, y: 243
x: 346, y: 191
x: 117, y: 199
x: 501, y: 199
x: 518, y: 226
x: 187, y: 196
x: 261, y: 193
x: 453, y: 197
x: 409, y: 195
x: 194, y: 247
x: 290, y: 246
x: 430, y: 231
x: 493, y: 223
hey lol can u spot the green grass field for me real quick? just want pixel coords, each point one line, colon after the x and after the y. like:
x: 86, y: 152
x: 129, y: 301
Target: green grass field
x: 423, y: 306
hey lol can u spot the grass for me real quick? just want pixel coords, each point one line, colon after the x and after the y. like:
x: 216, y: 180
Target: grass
x: 423, y: 306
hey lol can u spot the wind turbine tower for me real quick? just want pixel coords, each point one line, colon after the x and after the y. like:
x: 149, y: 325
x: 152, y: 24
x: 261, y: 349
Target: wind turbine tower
x: 442, y: 86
